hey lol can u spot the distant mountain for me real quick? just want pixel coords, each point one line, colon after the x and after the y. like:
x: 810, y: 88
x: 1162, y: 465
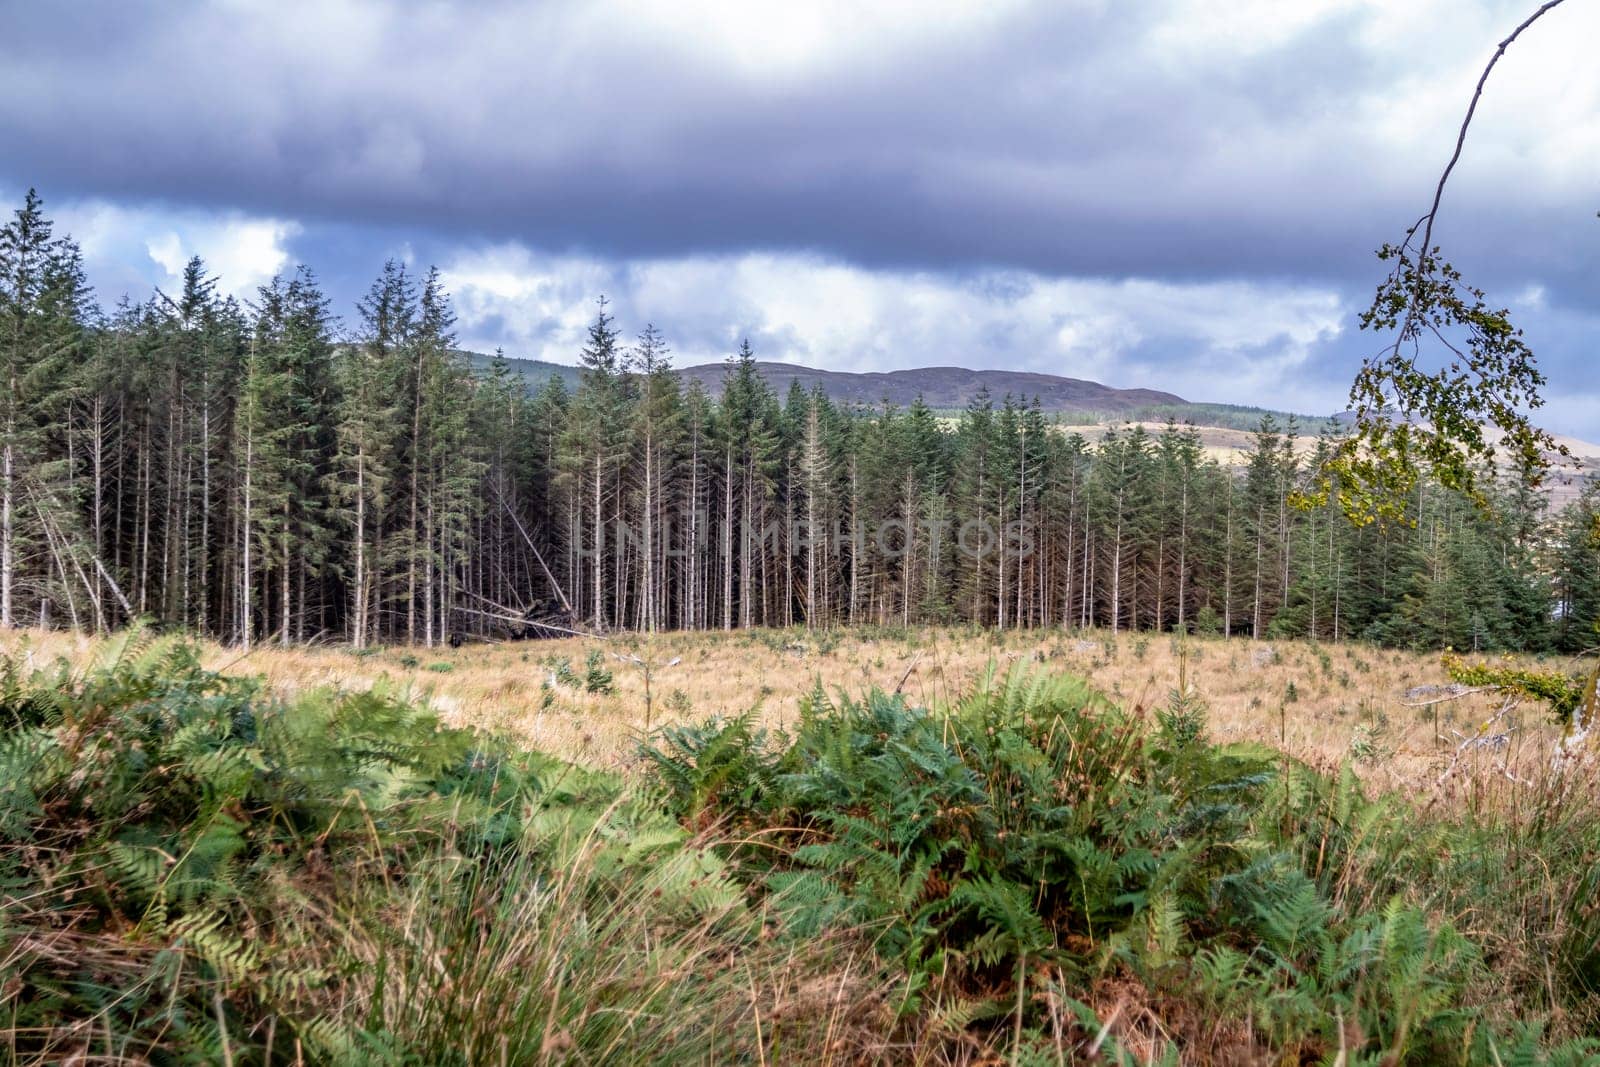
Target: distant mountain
x: 942, y: 388
x: 948, y: 387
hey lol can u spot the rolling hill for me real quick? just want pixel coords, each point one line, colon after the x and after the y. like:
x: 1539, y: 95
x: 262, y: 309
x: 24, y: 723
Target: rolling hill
x: 1088, y: 406
x: 943, y: 389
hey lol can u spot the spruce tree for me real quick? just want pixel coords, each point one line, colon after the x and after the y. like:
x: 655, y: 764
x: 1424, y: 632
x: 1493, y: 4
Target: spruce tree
x: 43, y: 298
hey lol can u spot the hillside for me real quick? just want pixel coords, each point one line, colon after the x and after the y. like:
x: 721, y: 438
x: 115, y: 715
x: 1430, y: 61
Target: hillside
x: 947, y: 387
x: 942, y: 388
x: 1089, y: 407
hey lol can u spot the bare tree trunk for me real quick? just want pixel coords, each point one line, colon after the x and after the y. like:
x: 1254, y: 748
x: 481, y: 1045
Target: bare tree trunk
x: 416, y: 487
x: 691, y: 559
x: 184, y: 541
x: 1022, y: 519
x: 811, y: 524
x: 855, y: 536
x: 1000, y: 566
x: 1255, y: 626
x: 727, y: 543
x: 8, y: 534
x: 205, y: 502
x: 97, y: 467
x: 1337, y: 564
x: 358, y: 588
x: 1089, y: 615
x: 246, y: 580
x: 1087, y: 585
x: 788, y: 547
x: 1227, y: 570
x: 1116, y: 571
x: 428, y: 609
x: 648, y: 605
x: 169, y: 512
x: 144, y: 522
x: 1183, y: 558
x: 746, y: 605
x: 284, y: 600
x: 909, y: 556
x: 1311, y: 542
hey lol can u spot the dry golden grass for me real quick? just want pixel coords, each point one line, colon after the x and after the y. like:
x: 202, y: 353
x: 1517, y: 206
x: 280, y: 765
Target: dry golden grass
x: 1231, y: 448
x: 1313, y: 701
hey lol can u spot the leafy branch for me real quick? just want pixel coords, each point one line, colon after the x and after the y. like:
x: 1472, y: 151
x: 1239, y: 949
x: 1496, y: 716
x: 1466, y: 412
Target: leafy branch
x: 1409, y: 417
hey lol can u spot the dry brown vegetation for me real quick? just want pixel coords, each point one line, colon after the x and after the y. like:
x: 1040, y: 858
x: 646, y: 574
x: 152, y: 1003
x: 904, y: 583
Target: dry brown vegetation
x: 1231, y: 448
x: 713, y: 918
x: 1322, y: 703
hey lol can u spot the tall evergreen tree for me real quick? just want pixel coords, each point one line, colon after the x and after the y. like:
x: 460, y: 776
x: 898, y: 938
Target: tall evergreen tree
x: 42, y: 305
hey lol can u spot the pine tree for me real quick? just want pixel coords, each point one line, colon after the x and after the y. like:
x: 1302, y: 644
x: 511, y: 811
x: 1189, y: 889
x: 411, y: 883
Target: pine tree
x: 1120, y: 495
x: 263, y: 432
x: 974, y: 503
x: 656, y: 424
x: 1577, y: 572
x: 43, y: 299
x: 749, y: 440
x: 694, y: 499
x: 1180, y: 463
x: 593, y: 452
x: 450, y: 468
x: 369, y: 375
x: 816, y: 478
x: 1263, y: 502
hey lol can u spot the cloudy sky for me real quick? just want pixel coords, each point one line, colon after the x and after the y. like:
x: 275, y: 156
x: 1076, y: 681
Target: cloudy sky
x: 1175, y: 194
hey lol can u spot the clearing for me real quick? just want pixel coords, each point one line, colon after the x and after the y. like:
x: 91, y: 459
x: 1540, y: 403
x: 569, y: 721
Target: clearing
x: 1319, y: 702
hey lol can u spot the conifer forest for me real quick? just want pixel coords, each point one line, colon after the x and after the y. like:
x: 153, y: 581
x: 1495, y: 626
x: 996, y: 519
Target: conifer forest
x: 276, y: 469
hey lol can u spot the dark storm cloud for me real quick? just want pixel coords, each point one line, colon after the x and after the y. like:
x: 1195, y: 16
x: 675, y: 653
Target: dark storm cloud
x: 991, y: 172
x: 1058, y: 138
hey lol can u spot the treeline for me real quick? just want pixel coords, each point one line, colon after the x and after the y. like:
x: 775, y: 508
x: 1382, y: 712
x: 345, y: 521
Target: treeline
x: 256, y: 471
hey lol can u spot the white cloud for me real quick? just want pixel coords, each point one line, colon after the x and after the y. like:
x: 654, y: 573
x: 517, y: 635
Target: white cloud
x: 134, y: 248
x: 768, y: 40
x: 1204, y: 340
x: 167, y: 250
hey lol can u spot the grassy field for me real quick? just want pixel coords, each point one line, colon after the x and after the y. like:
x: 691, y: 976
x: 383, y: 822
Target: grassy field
x: 1048, y: 848
x: 1320, y: 703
